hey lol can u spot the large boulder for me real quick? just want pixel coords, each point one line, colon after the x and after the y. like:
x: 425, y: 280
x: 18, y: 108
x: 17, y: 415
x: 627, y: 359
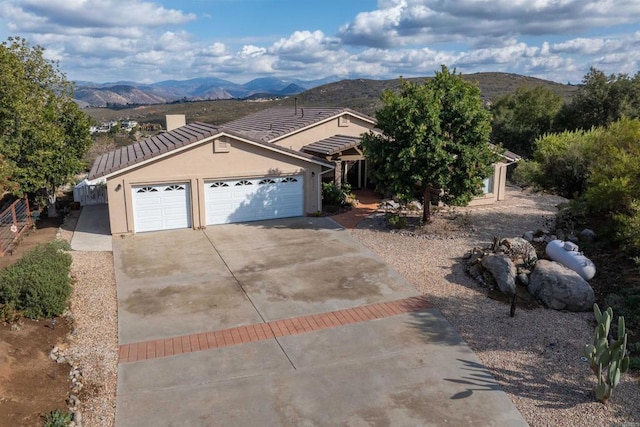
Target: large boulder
x: 519, y: 248
x: 503, y: 271
x: 560, y: 288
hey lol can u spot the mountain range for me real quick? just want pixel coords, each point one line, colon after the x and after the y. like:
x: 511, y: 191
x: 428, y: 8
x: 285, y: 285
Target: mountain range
x: 90, y: 94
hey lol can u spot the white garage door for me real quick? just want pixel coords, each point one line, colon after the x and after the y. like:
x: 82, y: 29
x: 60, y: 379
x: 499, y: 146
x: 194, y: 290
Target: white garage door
x: 161, y: 207
x: 253, y: 199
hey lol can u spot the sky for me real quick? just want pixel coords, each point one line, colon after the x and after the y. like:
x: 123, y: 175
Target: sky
x: 239, y: 40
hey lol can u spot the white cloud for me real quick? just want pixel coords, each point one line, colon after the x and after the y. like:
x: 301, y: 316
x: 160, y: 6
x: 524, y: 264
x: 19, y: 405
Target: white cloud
x: 108, y: 40
x: 410, y: 22
x: 103, y: 13
x: 250, y: 51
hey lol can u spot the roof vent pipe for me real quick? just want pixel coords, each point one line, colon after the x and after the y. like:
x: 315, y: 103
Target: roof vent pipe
x: 295, y: 106
x: 302, y: 111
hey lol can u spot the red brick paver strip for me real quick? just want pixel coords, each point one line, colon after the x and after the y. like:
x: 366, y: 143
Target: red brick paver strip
x: 263, y: 331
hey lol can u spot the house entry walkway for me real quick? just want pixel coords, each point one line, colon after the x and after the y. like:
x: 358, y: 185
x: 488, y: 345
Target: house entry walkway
x: 368, y: 202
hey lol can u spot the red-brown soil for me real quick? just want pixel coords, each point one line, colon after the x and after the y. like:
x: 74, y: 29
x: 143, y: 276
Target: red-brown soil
x: 31, y: 384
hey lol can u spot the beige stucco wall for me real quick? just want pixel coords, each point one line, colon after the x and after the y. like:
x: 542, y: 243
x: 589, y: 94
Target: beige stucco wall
x: 355, y: 127
x: 200, y: 163
x: 499, y: 187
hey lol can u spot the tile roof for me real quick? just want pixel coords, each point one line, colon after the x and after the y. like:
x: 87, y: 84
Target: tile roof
x: 333, y: 145
x: 272, y: 123
x: 162, y: 143
x: 150, y: 147
x: 511, y: 156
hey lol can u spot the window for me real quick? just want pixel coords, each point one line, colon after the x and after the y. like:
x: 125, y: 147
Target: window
x: 266, y: 181
x: 488, y: 185
x: 219, y: 184
x: 243, y: 182
x: 174, y: 188
x: 147, y: 190
x: 289, y: 179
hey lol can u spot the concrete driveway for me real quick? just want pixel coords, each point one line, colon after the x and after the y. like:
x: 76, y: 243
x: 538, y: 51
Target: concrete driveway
x: 285, y: 322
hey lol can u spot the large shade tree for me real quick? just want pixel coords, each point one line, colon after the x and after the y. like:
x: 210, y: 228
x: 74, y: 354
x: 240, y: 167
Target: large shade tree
x: 521, y: 117
x: 601, y: 100
x: 43, y: 133
x: 434, y: 139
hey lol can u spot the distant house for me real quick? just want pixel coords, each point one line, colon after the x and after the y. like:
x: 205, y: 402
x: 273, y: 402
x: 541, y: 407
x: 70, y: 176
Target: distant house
x: 267, y: 165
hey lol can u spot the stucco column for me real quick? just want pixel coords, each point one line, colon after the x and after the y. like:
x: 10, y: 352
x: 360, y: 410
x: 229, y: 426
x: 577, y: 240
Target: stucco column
x: 337, y: 178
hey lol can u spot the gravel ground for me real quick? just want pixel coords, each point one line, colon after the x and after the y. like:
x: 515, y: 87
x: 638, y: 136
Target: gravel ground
x: 94, y: 344
x: 536, y: 355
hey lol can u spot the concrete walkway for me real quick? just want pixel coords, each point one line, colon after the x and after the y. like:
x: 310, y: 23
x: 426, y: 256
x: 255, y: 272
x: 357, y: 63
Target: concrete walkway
x: 286, y: 322
x: 92, y: 232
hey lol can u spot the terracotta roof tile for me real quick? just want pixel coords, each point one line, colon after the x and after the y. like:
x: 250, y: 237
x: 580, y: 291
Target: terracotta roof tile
x: 157, y: 145
x: 333, y: 145
x: 272, y: 123
x: 150, y: 147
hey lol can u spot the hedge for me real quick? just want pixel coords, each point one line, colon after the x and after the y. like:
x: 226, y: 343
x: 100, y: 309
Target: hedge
x: 39, y: 285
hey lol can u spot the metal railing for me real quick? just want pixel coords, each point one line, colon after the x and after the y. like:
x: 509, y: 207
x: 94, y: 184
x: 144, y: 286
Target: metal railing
x: 14, y: 220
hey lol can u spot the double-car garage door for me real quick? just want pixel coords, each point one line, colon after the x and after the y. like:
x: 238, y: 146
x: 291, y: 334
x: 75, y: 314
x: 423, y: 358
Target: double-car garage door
x: 168, y: 206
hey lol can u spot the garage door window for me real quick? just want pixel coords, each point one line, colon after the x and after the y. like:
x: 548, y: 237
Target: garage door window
x: 147, y: 190
x: 161, y: 207
x: 219, y: 184
x: 253, y: 199
x: 174, y: 188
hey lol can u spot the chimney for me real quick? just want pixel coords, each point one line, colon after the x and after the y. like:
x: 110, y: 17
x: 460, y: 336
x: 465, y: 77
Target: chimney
x: 175, y: 121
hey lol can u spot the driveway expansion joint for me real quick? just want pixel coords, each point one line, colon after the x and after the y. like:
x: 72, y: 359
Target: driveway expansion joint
x: 134, y: 352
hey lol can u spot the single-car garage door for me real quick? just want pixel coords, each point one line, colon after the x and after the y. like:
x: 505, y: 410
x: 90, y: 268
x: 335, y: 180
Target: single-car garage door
x: 253, y: 199
x: 161, y: 207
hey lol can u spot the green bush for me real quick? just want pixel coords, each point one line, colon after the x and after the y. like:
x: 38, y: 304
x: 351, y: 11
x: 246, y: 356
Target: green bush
x: 563, y: 162
x: 38, y: 285
x: 627, y: 227
x: 526, y: 173
x: 333, y: 196
x: 395, y: 221
x: 57, y: 418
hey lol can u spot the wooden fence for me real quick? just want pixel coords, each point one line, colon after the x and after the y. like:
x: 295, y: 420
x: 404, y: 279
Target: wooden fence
x: 14, y: 220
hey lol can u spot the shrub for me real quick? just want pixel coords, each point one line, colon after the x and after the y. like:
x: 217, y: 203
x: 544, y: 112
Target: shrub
x: 526, y: 173
x: 395, y: 221
x: 562, y: 161
x: 57, y: 418
x: 628, y: 227
x: 333, y: 196
x: 38, y: 285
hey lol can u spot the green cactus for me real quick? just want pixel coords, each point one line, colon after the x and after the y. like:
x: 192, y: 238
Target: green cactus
x: 608, y: 359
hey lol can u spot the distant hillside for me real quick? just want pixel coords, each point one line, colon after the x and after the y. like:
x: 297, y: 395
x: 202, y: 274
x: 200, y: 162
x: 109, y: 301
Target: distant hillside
x: 364, y: 95
x: 361, y: 95
x: 199, y: 89
x: 116, y: 95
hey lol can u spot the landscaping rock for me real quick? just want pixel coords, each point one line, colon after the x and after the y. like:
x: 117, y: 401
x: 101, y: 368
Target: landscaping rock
x: 415, y: 206
x: 560, y: 288
x: 528, y: 236
x: 587, y: 235
x: 517, y: 247
x: 389, y: 204
x: 503, y: 271
x: 523, y: 279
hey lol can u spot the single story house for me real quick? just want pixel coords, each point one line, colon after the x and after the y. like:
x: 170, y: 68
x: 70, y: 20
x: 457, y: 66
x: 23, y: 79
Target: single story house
x: 267, y: 165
